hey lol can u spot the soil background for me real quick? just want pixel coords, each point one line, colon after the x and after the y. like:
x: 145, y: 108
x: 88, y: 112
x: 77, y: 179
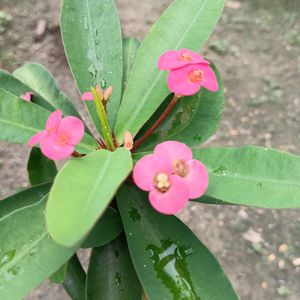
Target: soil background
x: 256, y: 46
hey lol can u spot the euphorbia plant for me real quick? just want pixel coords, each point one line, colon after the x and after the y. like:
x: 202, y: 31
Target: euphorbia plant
x: 153, y: 103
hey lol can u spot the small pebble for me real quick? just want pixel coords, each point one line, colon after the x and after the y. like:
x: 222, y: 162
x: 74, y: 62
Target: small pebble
x: 271, y: 257
x: 296, y: 262
x: 264, y: 285
x: 283, y: 248
x: 281, y: 264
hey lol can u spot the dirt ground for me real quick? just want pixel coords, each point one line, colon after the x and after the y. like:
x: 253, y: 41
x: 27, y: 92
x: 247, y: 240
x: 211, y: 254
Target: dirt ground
x: 257, y: 49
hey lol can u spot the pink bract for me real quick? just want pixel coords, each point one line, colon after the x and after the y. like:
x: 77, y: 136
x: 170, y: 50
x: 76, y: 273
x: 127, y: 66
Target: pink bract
x: 87, y: 96
x: 27, y: 97
x: 188, y: 80
x: 176, y: 59
x: 59, y: 138
x: 171, y: 177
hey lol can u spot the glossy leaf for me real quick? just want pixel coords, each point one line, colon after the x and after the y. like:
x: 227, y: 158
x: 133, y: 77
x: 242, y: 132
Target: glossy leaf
x: 130, y: 47
x: 19, y: 120
x: 28, y: 255
x: 14, y: 86
x: 192, y: 121
x: 81, y: 192
x: 170, y: 261
x: 40, y: 169
x: 185, y: 24
x: 23, y: 199
x: 252, y: 176
x: 111, y: 274
x: 42, y: 83
x: 92, y: 39
x: 106, y: 229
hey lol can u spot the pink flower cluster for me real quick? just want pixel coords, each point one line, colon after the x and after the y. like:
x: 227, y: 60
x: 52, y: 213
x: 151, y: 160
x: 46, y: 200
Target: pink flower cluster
x: 188, y: 72
x: 59, y: 138
x: 171, y: 176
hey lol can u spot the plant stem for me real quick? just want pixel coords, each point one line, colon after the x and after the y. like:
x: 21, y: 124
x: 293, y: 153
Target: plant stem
x: 74, y: 283
x: 76, y: 154
x: 158, y: 122
x: 103, y: 120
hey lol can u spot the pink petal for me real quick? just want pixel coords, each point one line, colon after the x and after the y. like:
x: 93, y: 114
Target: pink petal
x: 147, y: 168
x: 53, y: 121
x: 197, y: 58
x: 210, y: 81
x: 37, y: 138
x: 179, y: 83
x: 197, y: 179
x: 73, y: 128
x: 168, y: 60
x: 27, y: 96
x: 53, y: 151
x: 87, y: 96
x: 172, y: 201
x: 173, y: 151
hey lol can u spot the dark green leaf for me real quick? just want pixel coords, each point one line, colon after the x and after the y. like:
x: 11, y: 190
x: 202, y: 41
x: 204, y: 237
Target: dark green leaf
x: 192, y: 121
x: 111, y: 274
x: 40, y: 168
x: 92, y: 39
x: 170, y: 261
x: 107, y: 229
x: 252, y: 176
x: 82, y: 191
x: 185, y: 24
x: 28, y: 256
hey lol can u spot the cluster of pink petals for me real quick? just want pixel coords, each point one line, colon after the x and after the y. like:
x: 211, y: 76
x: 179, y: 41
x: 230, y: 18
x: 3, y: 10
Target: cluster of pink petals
x: 87, y: 96
x: 60, y: 136
x: 171, y: 176
x: 188, y: 72
x: 27, y: 97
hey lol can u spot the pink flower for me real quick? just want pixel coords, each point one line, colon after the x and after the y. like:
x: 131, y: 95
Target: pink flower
x: 187, y: 81
x: 27, y: 97
x: 87, y: 96
x: 59, y: 138
x: 176, y: 59
x: 171, y: 177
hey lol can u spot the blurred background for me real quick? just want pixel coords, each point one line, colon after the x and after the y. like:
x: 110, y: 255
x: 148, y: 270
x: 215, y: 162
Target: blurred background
x: 256, y: 46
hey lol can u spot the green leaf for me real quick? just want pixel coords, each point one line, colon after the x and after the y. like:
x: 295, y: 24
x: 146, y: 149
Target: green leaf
x: 27, y: 255
x: 93, y: 43
x: 59, y: 276
x: 107, y: 229
x: 14, y: 86
x: 81, y: 192
x: 252, y: 176
x: 111, y: 274
x: 23, y: 198
x: 19, y: 120
x: 130, y: 47
x: 42, y: 83
x: 185, y: 24
x: 40, y: 168
x: 192, y: 121
x: 170, y: 261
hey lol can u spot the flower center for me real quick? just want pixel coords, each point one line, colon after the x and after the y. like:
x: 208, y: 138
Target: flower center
x: 161, y: 182
x: 180, y: 167
x: 196, y: 76
x: 62, y: 140
x: 185, y: 57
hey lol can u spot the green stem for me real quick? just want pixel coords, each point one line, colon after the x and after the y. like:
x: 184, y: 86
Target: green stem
x: 103, y: 120
x: 75, y: 279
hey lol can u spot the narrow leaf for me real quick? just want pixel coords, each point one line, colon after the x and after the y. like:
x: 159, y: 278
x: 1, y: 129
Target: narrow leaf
x: 92, y: 39
x: 252, y: 176
x: 59, y: 276
x: 170, y: 261
x: 81, y: 192
x: 111, y: 274
x: 185, y: 24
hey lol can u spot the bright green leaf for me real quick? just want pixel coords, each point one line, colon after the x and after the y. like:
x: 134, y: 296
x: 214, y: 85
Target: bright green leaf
x: 170, y: 261
x: 111, y: 274
x: 81, y: 192
x: 107, y: 229
x: 19, y: 120
x: 28, y: 256
x: 42, y: 83
x: 252, y: 176
x: 185, y: 24
x: 192, y: 121
x: 92, y: 39
x: 40, y: 169
x: 24, y: 198
x: 59, y: 276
